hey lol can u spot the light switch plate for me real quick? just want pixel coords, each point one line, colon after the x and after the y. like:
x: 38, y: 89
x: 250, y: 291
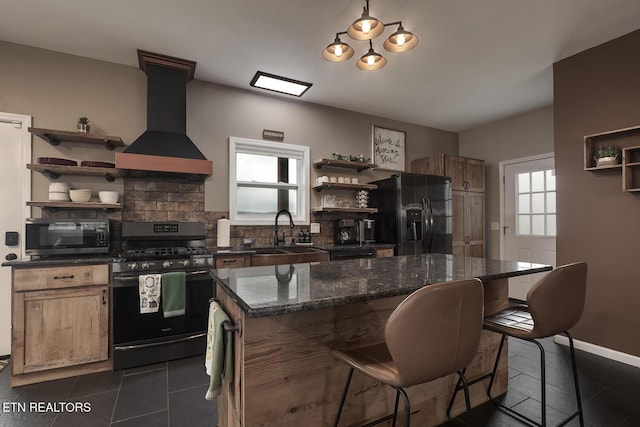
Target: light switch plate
x: 315, y: 228
x: 495, y: 225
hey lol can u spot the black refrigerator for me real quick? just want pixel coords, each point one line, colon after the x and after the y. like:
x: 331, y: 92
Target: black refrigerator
x: 414, y: 213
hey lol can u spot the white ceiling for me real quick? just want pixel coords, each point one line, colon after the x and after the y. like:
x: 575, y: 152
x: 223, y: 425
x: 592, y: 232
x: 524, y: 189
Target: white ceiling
x: 477, y: 60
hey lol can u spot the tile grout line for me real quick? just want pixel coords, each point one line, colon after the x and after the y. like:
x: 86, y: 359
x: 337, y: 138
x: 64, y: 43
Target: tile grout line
x: 137, y: 416
x: 115, y: 403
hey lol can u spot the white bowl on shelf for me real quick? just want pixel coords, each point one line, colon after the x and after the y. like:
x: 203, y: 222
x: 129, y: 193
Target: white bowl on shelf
x: 80, y: 195
x: 59, y: 196
x: 59, y: 187
x: 110, y: 197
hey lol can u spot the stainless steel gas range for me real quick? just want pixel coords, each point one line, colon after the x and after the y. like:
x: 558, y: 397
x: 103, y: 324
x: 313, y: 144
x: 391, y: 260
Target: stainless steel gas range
x: 151, y: 249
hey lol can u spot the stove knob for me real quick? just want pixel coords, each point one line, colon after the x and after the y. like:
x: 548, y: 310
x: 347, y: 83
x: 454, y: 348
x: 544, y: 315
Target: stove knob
x: 133, y: 265
x: 196, y: 262
x: 145, y: 265
x: 186, y: 262
x: 166, y: 264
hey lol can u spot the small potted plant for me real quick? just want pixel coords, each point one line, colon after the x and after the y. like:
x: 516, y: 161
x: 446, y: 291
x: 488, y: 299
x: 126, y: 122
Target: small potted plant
x: 607, y: 155
x: 83, y: 124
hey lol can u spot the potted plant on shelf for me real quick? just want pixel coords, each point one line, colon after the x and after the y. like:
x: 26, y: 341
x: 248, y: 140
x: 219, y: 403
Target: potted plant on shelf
x: 83, y: 124
x: 607, y: 155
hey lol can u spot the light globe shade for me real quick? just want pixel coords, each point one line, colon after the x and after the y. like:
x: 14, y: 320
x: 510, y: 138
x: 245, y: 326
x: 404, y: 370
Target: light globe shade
x: 371, y: 61
x: 401, y: 41
x: 366, y: 27
x: 337, y: 51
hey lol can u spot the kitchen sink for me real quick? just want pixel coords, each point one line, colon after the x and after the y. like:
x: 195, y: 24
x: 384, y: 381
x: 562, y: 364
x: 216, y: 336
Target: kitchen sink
x: 287, y: 255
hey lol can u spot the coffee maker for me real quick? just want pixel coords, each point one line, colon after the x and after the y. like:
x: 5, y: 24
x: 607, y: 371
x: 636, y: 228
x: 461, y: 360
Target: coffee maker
x: 345, y: 232
x: 365, y: 230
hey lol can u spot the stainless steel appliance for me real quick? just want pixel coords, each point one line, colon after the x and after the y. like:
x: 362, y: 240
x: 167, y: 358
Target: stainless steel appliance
x: 366, y: 230
x: 414, y: 213
x: 345, y: 232
x: 355, y: 252
x: 156, y: 248
x: 48, y: 236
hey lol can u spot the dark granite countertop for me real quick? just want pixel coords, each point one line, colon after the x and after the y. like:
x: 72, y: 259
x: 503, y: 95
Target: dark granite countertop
x: 60, y: 260
x: 336, y: 248
x: 273, y: 290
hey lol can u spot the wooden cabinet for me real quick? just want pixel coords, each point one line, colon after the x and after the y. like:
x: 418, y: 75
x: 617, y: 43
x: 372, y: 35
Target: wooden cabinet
x: 467, y: 185
x: 384, y: 253
x: 466, y: 174
x: 468, y: 223
x: 60, y: 319
x: 232, y: 261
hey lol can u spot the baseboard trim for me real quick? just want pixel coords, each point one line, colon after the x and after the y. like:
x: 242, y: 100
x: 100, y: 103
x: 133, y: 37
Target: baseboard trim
x: 608, y: 353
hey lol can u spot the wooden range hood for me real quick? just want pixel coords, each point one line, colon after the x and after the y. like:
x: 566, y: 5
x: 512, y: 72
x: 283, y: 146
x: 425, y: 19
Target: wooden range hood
x: 164, y: 150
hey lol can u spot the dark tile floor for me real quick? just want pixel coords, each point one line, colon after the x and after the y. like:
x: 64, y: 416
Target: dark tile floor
x: 164, y: 394
x: 172, y: 394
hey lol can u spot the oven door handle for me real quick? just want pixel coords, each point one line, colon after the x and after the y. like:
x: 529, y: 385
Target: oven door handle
x: 157, y: 344
x: 118, y: 278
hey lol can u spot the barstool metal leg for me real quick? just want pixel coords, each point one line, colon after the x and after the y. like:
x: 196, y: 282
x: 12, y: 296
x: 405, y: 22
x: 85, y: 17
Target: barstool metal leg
x: 395, y: 409
x: 344, y: 395
x: 495, y: 366
x: 543, y: 383
x: 575, y: 378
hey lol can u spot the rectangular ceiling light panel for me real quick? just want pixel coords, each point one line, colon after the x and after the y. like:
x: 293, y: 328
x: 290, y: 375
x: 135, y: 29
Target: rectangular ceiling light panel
x: 279, y: 84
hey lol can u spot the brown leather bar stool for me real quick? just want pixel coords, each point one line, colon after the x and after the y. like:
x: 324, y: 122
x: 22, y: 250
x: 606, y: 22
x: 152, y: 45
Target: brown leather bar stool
x: 554, y: 305
x: 434, y: 332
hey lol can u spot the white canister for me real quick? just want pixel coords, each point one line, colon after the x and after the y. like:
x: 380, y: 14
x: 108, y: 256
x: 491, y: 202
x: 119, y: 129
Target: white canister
x: 224, y: 233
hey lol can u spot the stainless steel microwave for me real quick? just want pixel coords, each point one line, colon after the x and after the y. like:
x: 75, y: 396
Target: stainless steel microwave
x: 50, y: 236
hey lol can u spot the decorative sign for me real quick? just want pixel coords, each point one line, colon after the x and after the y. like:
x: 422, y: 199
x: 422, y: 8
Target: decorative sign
x: 273, y: 135
x: 388, y: 148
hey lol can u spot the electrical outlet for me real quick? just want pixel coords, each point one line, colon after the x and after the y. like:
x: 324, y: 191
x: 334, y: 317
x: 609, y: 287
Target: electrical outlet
x: 315, y: 228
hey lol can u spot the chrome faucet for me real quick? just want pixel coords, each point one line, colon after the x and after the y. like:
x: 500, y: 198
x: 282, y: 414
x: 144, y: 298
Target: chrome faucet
x: 276, y: 239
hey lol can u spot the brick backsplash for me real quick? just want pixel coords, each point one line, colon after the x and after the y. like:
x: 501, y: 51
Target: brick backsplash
x: 147, y: 199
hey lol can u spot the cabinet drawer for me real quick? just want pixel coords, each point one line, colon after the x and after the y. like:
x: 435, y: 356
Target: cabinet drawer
x: 60, y: 277
x: 384, y: 253
x: 230, y: 262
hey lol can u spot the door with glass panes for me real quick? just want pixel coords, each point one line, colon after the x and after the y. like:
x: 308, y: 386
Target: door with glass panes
x: 529, y: 217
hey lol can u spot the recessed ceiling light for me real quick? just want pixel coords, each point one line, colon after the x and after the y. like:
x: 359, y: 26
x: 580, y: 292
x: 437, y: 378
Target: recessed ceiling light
x: 279, y: 84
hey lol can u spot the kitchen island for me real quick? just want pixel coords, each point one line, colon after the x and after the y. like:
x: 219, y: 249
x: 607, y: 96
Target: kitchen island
x: 291, y: 316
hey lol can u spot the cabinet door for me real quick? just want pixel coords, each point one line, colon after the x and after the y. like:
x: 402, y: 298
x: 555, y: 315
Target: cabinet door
x: 454, y: 167
x: 428, y: 165
x: 459, y: 219
x: 474, y: 175
x: 230, y: 262
x: 474, y: 218
x: 58, y: 328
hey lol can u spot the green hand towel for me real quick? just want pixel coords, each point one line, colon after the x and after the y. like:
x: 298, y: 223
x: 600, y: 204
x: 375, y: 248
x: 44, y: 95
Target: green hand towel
x: 173, y: 293
x: 219, y: 352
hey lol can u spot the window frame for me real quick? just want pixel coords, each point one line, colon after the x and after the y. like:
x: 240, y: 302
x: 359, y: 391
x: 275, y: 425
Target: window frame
x: 544, y: 214
x: 256, y: 146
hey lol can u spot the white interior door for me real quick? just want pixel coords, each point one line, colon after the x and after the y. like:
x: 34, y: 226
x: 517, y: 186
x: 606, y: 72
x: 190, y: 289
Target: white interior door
x: 15, y: 143
x: 529, y: 219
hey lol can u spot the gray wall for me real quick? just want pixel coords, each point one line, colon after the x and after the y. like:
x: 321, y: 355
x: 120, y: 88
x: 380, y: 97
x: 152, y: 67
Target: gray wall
x: 56, y: 88
x: 520, y: 136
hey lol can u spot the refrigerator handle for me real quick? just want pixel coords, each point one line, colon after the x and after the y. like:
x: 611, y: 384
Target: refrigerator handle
x: 428, y: 222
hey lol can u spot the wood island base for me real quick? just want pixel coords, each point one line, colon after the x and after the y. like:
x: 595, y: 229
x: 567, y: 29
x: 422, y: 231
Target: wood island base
x: 285, y: 376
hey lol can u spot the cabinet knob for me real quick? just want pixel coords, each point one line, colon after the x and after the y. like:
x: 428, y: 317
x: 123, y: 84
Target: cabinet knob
x: 104, y: 297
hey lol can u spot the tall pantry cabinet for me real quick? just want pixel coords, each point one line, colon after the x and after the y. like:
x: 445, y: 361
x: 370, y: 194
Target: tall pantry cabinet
x: 467, y: 185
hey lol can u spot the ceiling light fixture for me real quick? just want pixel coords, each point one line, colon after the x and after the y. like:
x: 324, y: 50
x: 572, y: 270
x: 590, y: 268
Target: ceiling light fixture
x: 280, y: 84
x: 366, y: 28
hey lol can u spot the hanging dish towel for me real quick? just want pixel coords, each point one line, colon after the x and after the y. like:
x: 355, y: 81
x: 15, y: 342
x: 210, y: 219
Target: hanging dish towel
x: 149, y: 291
x: 219, y: 355
x: 173, y: 293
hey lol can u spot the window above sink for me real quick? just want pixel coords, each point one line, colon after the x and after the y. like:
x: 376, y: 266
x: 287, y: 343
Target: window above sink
x: 265, y: 177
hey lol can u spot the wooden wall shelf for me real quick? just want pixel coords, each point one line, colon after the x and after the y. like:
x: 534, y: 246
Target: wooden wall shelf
x: 75, y: 205
x: 54, y: 137
x: 346, y: 210
x: 54, y: 171
x: 342, y: 186
x: 621, y: 138
x: 358, y: 166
